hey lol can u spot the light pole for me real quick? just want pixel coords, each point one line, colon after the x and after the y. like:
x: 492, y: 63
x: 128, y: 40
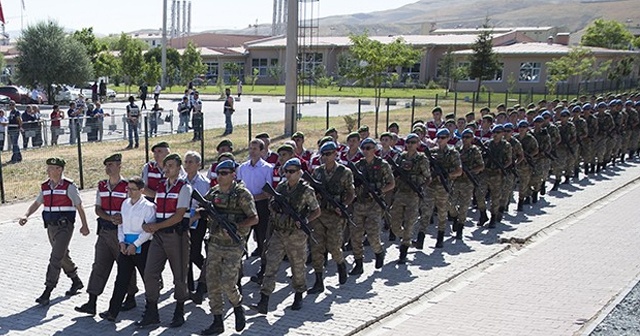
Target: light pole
x: 291, y: 84
x: 164, y: 44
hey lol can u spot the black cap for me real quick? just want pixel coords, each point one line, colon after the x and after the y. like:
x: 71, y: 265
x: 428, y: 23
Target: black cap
x: 262, y: 135
x: 117, y: 157
x: 162, y: 144
x: 225, y: 142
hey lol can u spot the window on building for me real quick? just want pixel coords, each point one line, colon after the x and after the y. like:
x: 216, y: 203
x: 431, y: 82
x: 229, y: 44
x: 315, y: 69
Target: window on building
x: 261, y: 65
x: 212, y: 71
x: 411, y: 72
x: 465, y: 65
x: 309, y: 63
x: 497, y: 77
x: 237, y: 73
x: 273, y: 62
x: 529, y: 72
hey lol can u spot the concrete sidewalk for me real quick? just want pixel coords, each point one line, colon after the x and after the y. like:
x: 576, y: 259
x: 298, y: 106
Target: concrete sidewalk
x: 553, y: 286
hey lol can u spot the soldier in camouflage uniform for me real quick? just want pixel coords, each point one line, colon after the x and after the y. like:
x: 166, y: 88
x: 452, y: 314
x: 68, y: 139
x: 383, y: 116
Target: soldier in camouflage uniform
x: 462, y: 189
x: 542, y: 160
x: 366, y: 213
x: 566, y: 150
x: 288, y: 238
x: 447, y: 160
x: 517, y: 154
x: 527, y: 166
x: 604, y: 136
x: 492, y: 177
x: 328, y: 228
x: 582, y: 139
x: 633, y: 129
x: 224, y: 256
x: 554, y: 135
x: 588, y: 143
x: 405, y: 204
x: 619, y: 119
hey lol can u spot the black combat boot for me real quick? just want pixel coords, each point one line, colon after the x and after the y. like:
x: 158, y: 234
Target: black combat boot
x: 454, y: 225
x: 440, y: 239
x: 241, y: 321
x: 129, y: 303
x: 499, y: 215
x: 556, y: 184
x: 576, y: 172
x: 543, y: 188
x: 492, y: 222
x: 392, y: 236
x: 260, y: 275
x: 403, y: 254
x: 527, y: 200
x: 598, y: 168
x: 567, y: 180
x: 520, y: 205
x: 342, y: 273
x: 217, y: 327
x: 379, y: 260
x: 178, y: 316
x: 419, y: 243
x: 263, y: 306
x: 587, y: 169
x: 150, y: 315
x: 297, y: 302
x: 459, y: 231
x: 483, y: 217
x: 76, y: 286
x: 534, y: 198
x: 89, y: 307
x: 198, y: 295
x: 43, y: 300
x: 318, y: 287
x: 357, y: 269
x: 622, y: 157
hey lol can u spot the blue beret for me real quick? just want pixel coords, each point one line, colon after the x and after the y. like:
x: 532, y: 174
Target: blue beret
x: 576, y: 109
x: 618, y: 102
x: 638, y: 103
x: 292, y: 162
x: 412, y: 136
x: 628, y: 102
x: 328, y: 146
x: 586, y: 106
x: 508, y: 126
x: 538, y: 119
x: 545, y: 114
x: 523, y: 123
x: 565, y: 113
x: 226, y: 164
x: 602, y: 105
x: 443, y: 132
x: 467, y: 131
x: 497, y: 128
x: 368, y: 141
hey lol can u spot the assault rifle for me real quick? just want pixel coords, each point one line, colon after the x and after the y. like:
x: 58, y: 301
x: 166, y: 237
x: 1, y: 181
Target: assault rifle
x: 437, y: 169
x: 404, y: 176
x: 320, y: 189
x: 223, y: 222
x: 359, y: 177
x: 471, y: 177
x: 492, y: 158
x: 288, y: 210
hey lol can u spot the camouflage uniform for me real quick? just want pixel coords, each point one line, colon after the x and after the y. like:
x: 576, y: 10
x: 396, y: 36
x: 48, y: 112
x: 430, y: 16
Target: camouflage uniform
x: 224, y: 257
x: 633, y: 131
x: 287, y: 238
x: 509, y: 183
x: 542, y: 162
x: 462, y: 189
x: 527, y: 167
x: 328, y: 228
x: 405, y: 204
x: 604, y: 137
x: 367, y: 214
x: 491, y: 177
x: 582, y: 130
x: 436, y: 195
x: 588, y: 143
x: 554, y: 135
x: 565, y: 151
x: 616, y: 135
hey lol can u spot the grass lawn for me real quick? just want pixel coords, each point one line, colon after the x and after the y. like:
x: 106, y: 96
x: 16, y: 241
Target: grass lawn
x: 22, y: 180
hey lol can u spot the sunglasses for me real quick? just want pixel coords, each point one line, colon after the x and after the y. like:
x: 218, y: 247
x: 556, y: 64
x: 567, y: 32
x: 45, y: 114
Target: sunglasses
x: 468, y: 137
x: 497, y: 132
x: 224, y: 173
x: 291, y: 171
x: 507, y: 131
x: 443, y: 137
x: 368, y: 148
x: 411, y: 142
x: 328, y: 153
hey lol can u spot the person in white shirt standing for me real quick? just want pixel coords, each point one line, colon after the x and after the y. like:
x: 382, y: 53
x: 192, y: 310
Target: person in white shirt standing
x: 156, y: 92
x: 3, y: 128
x: 134, y: 242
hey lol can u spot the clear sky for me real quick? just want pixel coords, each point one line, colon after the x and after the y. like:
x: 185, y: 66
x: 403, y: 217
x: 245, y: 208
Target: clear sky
x: 115, y: 16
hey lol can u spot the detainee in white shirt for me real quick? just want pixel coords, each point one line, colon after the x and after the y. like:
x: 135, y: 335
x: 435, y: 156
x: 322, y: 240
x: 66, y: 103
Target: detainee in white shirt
x: 134, y: 242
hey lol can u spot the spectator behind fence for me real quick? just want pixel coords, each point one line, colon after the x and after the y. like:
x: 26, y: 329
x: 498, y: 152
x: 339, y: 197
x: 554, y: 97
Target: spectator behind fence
x: 28, y: 122
x: 37, y: 140
x: 73, y: 114
x: 55, y: 116
x: 91, y: 123
x: 14, y: 129
x: 154, y: 116
x: 4, y: 122
x: 102, y: 88
x: 99, y: 114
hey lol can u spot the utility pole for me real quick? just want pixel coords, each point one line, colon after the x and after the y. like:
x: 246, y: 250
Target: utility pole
x: 163, y: 80
x: 291, y: 84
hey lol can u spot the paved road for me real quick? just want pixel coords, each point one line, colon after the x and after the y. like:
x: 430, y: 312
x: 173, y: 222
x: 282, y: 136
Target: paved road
x: 594, y: 243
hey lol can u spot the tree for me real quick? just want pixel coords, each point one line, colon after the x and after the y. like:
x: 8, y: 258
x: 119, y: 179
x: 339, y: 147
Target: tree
x: 253, y: 78
x: 234, y: 70
x: 48, y: 56
x: 91, y: 43
x: 607, y: 34
x: 579, y: 64
x: 483, y: 61
x: 346, y: 69
x: 621, y: 70
x: 119, y: 42
x: 275, y: 72
x: 191, y: 63
x: 132, y: 63
x: 173, y: 56
x: 152, y: 71
x: 378, y: 59
x: 107, y: 65
x: 447, y: 66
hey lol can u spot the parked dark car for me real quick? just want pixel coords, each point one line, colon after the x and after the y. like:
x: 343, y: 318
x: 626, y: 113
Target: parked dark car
x: 16, y: 94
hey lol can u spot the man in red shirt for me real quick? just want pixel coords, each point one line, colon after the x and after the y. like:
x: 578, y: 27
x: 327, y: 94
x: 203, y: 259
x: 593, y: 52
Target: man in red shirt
x: 55, y: 116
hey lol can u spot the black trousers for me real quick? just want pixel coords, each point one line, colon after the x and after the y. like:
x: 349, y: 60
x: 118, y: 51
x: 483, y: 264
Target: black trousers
x: 260, y: 230
x: 127, y: 264
x: 195, y: 253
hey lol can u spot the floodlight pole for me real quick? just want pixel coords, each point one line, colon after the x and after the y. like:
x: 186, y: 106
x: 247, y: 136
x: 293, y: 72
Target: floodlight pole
x: 291, y: 69
x: 163, y: 79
